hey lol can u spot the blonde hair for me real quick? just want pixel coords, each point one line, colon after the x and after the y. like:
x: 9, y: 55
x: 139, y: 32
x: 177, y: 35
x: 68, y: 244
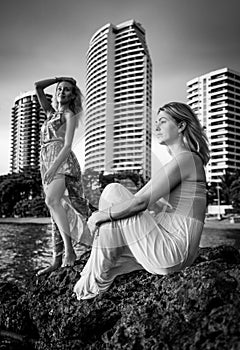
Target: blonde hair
x: 194, y: 135
x: 76, y: 105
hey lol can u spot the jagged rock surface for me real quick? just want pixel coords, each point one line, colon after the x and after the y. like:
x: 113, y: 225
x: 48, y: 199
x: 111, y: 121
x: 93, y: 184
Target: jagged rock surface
x: 197, y: 308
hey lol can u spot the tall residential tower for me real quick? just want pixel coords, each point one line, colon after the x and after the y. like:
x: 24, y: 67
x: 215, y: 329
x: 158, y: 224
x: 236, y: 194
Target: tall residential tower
x: 118, y: 100
x: 215, y: 97
x: 26, y: 121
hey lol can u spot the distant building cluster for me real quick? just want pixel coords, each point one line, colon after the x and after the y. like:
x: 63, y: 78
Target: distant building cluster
x: 118, y: 124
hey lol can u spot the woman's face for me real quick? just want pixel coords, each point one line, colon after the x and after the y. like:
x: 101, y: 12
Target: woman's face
x: 64, y: 92
x: 167, y: 130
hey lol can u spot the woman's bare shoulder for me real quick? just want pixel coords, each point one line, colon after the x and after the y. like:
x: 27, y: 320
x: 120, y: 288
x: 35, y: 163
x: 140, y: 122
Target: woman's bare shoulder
x: 68, y: 115
x: 192, y: 165
x: 198, y: 171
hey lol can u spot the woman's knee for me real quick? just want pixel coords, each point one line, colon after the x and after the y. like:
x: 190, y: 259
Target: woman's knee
x: 113, y: 193
x: 54, y: 192
x: 51, y: 201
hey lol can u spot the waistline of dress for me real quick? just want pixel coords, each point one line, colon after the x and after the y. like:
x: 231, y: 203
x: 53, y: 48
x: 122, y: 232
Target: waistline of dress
x: 47, y: 143
x: 175, y: 213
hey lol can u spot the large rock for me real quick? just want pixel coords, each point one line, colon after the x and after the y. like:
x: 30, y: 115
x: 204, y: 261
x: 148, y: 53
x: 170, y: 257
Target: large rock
x: 197, y: 308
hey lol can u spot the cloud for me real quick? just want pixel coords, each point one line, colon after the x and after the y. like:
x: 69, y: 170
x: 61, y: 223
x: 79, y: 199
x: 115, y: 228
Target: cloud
x: 186, y: 38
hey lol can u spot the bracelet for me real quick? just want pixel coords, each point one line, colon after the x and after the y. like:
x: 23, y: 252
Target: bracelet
x: 109, y: 214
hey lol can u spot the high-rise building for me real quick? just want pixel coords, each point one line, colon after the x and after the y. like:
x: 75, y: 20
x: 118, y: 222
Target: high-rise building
x: 118, y: 100
x: 26, y: 120
x: 215, y: 97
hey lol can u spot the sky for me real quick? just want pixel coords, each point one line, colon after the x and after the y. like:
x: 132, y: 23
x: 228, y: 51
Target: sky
x: 48, y: 38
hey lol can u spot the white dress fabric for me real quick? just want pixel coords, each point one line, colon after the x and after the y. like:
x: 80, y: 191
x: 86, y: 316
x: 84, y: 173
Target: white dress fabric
x: 162, y: 244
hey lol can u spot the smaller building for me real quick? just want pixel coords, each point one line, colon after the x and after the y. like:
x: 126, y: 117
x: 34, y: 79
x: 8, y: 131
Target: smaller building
x: 26, y: 120
x: 215, y: 97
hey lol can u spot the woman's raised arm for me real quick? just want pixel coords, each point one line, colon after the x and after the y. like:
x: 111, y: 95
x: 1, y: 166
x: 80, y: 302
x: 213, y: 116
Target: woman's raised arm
x: 39, y: 88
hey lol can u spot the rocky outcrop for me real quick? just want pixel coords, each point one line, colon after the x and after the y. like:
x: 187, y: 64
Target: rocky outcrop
x: 197, y: 308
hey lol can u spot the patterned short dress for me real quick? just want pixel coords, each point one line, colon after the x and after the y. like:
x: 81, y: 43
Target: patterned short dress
x: 77, y: 206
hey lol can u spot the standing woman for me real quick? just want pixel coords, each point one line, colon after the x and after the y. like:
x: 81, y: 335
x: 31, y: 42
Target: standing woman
x: 60, y: 170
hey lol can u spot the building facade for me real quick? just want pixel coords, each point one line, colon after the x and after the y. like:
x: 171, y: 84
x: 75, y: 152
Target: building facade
x: 215, y: 97
x: 26, y: 120
x: 118, y: 100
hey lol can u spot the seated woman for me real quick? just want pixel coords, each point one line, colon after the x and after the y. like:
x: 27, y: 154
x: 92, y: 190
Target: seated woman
x: 127, y: 236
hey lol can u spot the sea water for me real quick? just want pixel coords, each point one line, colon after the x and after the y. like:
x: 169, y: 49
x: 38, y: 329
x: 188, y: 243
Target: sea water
x: 26, y: 248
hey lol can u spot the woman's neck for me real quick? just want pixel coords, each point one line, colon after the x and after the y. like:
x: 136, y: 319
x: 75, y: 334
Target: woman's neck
x: 62, y: 108
x: 174, y: 150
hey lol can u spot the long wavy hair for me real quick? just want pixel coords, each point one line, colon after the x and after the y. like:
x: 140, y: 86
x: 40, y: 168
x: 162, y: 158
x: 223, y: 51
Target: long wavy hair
x: 194, y: 136
x: 76, y: 105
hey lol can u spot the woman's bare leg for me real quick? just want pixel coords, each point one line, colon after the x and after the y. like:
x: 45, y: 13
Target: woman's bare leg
x: 57, y: 244
x: 54, y: 193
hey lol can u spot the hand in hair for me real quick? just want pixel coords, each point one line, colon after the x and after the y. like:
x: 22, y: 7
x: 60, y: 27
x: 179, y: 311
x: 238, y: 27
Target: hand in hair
x: 68, y: 79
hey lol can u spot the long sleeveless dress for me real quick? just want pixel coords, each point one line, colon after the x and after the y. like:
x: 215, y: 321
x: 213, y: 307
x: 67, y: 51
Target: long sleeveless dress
x: 159, y: 244
x: 76, y: 205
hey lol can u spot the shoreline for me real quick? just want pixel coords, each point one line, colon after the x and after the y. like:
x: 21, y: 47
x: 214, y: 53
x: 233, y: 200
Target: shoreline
x: 222, y: 224
x: 214, y: 224
x: 28, y: 220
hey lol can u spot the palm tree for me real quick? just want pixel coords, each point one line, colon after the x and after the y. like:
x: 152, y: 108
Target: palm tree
x: 225, y: 183
x: 19, y: 188
x: 211, y: 192
x: 235, y: 194
x: 32, y: 180
x: 11, y: 192
x: 91, y: 186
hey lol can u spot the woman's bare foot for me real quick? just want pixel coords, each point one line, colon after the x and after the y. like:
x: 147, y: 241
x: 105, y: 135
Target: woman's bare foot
x: 69, y: 259
x: 57, y: 262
